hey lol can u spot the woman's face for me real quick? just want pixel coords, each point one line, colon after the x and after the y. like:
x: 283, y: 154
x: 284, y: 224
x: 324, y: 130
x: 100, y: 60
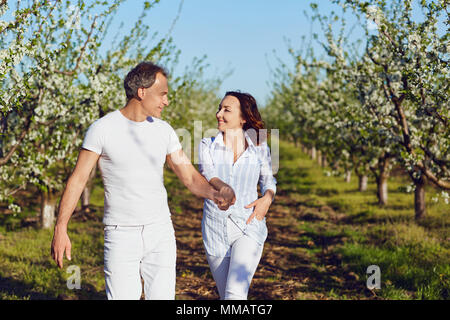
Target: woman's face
x: 229, y: 116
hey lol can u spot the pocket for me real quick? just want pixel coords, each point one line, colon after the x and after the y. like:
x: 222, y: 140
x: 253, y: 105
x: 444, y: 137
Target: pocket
x: 259, y: 223
x: 262, y: 220
x: 109, y: 227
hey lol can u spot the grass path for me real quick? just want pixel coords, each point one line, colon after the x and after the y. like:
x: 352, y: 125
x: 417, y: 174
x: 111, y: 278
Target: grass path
x: 323, y: 234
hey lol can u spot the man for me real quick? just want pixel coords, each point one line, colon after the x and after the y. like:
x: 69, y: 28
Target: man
x: 132, y: 145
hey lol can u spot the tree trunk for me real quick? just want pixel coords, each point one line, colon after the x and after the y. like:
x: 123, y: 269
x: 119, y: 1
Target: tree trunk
x: 336, y: 166
x: 381, y: 173
x: 324, y: 160
x: 86, y: 195
x: 319, y: 157
x: 313, y: 153
x: 48, y: 209
x: 362, y: 182
x: 382, y: 189
x: 419, y: 198
x: 348, y: 176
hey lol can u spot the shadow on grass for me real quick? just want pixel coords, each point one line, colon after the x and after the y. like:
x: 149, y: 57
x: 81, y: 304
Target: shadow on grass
x: 326, y: 192
x: 15, y: 289
x: 92, y: 213
x: 361, y: 217
x: 304, y: 262
x: 317, y: 274
x: 368, y: 217
x: 19, y: 290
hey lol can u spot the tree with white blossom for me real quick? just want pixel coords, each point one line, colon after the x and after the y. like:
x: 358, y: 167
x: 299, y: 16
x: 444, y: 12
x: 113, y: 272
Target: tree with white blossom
x: 56, y: 81
x: 408, y: 62
x: 394, y: 96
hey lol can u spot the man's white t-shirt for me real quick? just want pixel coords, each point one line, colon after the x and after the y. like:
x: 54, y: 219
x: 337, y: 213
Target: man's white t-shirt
x: 132, y: 157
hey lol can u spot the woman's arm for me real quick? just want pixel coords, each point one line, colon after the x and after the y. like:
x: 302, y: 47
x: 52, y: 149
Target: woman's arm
x: 205, y: 163
x: 266, y: 179
x: 267, y: 184
x: 261, y: 206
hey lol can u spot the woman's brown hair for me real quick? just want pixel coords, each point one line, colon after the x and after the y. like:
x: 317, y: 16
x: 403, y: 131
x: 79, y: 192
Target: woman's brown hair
x: 250, y: 114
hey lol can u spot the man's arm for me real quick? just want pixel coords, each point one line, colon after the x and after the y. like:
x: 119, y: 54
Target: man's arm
x: 223, y: 188
x: 196, y: 183
x: 75, y: 185
x: 217, y: 183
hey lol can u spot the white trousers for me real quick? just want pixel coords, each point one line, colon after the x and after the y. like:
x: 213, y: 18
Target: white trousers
x: 132, y: 252
x: 234, y: 274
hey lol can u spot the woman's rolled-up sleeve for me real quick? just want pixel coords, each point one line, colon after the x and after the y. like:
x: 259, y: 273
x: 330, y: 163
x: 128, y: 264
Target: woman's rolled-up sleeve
x: 205, y: 163
x: 266, y: 179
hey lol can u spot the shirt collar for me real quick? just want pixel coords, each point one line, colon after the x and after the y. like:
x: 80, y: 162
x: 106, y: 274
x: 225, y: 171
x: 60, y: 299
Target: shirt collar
x: 219, y: 141
x: 250, y: 143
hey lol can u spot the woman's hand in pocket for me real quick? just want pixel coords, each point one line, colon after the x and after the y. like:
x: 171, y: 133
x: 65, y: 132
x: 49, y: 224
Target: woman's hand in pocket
x: 261, y: 206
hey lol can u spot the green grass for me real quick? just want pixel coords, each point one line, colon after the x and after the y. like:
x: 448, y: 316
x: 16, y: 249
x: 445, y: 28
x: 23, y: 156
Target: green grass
x: 28, y: 272
x: 323, y: 233
x: 414, y: 257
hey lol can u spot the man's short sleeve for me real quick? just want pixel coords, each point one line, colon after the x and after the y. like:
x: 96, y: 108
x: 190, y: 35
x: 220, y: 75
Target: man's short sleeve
x: 174, y: 143
x: 93, y: 140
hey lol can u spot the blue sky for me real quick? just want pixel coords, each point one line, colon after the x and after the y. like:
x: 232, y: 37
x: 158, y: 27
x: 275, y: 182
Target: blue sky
x: 245, y: 36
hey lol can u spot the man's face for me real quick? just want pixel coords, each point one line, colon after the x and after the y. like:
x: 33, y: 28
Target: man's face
x: 154, y: 99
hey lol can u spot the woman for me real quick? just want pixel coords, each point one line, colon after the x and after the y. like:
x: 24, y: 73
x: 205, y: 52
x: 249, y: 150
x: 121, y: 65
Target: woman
x: 237, y: 157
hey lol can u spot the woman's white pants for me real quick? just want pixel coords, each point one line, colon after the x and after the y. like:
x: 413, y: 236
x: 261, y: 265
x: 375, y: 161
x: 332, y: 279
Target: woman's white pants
x: 132, y: 252
x: 234, y: 274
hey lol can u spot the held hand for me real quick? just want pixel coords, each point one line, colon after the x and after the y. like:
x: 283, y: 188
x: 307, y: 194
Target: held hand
x: 228, y: 195
x: 220, y: 201
x: 261, y: 206
x: 225, y: 198
x: 60, y: 244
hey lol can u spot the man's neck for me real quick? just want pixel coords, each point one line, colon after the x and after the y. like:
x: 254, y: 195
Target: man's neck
x: 133, y: 111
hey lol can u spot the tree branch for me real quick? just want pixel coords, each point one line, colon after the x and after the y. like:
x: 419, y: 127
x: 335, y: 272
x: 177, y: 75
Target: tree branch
x: 22, y: 136
x: 438, y: 182
x: 83, y: 49
x: 441, y: 162
x: 24, y: 132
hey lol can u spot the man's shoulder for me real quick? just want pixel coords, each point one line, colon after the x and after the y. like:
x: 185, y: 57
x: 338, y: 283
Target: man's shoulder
x: 109, y: 117
x: 162, y: 124
x: 106, y: 119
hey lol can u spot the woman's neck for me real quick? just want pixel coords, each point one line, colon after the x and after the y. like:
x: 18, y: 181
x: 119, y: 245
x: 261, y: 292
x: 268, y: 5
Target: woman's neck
x: 234, y: 139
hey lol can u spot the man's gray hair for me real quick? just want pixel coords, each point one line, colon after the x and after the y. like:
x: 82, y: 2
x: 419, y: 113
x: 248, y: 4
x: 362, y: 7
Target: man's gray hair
x: 142, y: 76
